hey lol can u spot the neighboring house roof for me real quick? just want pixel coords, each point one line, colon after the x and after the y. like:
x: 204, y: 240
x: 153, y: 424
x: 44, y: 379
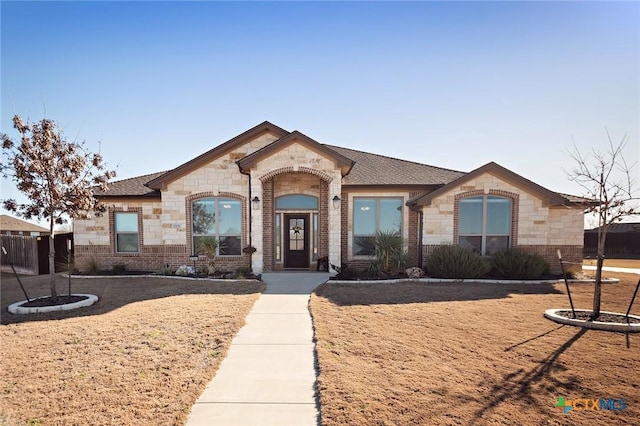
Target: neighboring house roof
x: 630, y: 227
x: 548, y: 197
x: 373, y: 169
x: 260, y: 129
x: 345, y: 164
x: 10, y: 223
x: 132, y: 187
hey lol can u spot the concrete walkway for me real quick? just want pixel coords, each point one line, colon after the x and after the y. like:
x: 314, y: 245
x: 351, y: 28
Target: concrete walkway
x: 614, y: 269
x: 269, y: 374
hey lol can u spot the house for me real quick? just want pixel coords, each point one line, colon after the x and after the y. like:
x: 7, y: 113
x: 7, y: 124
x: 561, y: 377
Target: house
x: 622, y: 241
x: 276, y: 200
x: 10, y: 225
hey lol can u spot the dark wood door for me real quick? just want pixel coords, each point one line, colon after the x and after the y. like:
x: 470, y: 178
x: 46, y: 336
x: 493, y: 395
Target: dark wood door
x: 296, y: 241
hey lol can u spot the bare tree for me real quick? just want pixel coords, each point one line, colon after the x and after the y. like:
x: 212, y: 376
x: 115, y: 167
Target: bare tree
x: 57, y: 176
x: 606, y: 178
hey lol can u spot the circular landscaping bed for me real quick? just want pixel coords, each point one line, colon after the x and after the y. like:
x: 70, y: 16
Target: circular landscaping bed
x: 47, y: 304
x: 607, y: 321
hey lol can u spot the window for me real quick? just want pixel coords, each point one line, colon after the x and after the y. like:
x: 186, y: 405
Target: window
x: 371, y: 215
x: 297, y: 202
x: 220, y: 219
x: 126, y: 230
x: 484, y: 223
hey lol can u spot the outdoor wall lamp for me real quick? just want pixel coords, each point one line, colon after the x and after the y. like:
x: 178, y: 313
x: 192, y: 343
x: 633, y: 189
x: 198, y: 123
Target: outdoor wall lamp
x: 255, y: 201
x: 336, y: 202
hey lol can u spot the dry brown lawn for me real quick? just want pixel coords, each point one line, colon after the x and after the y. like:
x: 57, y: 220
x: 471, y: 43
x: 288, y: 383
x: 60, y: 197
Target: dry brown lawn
x: 141, y: 355
x: 477, y: 353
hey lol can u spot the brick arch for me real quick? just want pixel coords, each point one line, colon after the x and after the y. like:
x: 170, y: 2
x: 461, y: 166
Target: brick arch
x: 515, y: 208
x: 322, y: 175
x: 284, y: 170
x: 268, y: 211
x: 274, y: 173
x: 210, y: 194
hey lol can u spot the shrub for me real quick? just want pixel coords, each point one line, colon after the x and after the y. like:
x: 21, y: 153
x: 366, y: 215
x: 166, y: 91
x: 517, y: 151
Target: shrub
x: 119, y: 268
x: 457, y: 262
x: 515, y: 263
x: 167, y: 270
x: 203, y: 270
x: 91, y: 265
x: 344, y: 271
x: 400, y: 260
x: 243, y: 272
x: 387, y: 244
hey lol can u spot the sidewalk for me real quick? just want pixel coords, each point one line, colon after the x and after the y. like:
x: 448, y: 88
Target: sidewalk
x: 614, y: 269
x: 269, y: 374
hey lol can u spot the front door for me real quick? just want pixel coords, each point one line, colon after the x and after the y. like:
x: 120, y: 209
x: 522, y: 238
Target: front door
x: 296, y: 241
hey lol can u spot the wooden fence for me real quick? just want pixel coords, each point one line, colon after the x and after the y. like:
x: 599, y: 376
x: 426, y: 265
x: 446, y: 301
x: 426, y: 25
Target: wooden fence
x: 22, y: 251
x: 622, y: 245
x: 30, y: 255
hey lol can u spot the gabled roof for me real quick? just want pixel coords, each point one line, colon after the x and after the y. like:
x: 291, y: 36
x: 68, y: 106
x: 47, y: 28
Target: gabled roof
x: 373, y: 169
x: 10, y: 223
x: 548, y: 197
x: 133, y: 187
x: 216, y: 152
x: 341, y: 161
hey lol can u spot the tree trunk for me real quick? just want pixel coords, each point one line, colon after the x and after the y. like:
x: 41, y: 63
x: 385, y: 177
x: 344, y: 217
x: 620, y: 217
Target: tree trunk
x: 597, y: 291
x: 52, y: 264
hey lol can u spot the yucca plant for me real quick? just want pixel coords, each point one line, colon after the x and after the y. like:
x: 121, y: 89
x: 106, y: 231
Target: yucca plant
x: 209, y: 248
x: 387, y: 244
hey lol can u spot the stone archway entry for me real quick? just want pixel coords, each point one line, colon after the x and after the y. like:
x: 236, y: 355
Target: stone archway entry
x: 296, y: 241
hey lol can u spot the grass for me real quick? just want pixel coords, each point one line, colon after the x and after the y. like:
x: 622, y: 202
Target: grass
x: 477, y: 353
x: 141, y: 355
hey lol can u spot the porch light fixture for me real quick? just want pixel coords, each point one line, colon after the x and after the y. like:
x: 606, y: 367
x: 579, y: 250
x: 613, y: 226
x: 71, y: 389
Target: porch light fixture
x: 255, y: 201
x: 336, y: 202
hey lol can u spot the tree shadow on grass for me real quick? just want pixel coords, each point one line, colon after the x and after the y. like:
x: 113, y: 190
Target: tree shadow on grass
x: 112, y: 292
x: 521, y: 384
x: 345, y: 294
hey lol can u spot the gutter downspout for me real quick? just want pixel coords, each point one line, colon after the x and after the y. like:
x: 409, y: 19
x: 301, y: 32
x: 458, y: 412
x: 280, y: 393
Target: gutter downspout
x: 250, y: 208
x: 420, y: 231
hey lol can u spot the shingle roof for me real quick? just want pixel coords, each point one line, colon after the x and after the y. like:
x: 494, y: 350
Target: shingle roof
x: 132, y: 187
x: 576, y: 199
x: 374, y: 169
x: 10, y: 223
x: 630, y: 227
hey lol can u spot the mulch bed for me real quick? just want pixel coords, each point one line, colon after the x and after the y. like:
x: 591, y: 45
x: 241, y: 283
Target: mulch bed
x: 41, y: 302
x: 612, y: 318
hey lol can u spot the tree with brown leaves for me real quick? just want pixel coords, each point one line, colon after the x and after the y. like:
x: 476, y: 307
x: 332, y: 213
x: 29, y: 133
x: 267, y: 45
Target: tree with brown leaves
x: 606, y: 178
x: 57, y: 176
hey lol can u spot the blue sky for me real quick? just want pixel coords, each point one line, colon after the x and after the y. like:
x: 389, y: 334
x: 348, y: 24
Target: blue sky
x: 456, y: 84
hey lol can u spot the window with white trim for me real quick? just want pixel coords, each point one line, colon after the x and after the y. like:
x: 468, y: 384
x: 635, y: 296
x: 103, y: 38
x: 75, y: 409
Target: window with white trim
x: 484, y: 223
x: 126, y: 231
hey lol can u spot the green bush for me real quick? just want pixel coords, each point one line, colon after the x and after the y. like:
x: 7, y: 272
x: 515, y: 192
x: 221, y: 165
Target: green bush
x: 243, y: 272
x: 400, y: 260
x: 119, y: 268
x: 515, y: 263
x: 457, y: 262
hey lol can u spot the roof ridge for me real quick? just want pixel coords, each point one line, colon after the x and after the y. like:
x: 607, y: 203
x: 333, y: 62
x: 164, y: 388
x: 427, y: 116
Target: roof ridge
x: 139, y: 176
x: 395, y: 158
